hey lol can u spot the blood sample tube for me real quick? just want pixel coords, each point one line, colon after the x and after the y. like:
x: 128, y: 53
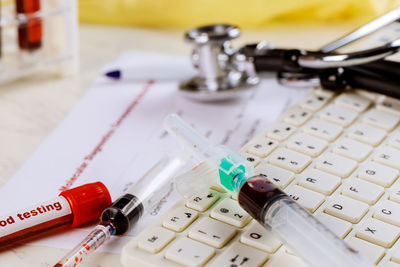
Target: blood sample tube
x: 30, y: 24
x: 72, y: 207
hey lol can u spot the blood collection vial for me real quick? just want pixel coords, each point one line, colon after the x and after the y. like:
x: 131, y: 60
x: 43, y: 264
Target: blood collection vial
x: 72, y: 207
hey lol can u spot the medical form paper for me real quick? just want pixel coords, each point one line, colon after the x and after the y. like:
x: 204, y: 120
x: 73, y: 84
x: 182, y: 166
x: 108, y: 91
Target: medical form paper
x: 115, y: 134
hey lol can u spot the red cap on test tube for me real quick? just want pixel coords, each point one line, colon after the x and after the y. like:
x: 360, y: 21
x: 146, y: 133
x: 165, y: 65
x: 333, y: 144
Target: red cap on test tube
x: 87, y: 202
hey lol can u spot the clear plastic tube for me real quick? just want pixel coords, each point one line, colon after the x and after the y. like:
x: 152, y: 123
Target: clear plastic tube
x: 95, y: 239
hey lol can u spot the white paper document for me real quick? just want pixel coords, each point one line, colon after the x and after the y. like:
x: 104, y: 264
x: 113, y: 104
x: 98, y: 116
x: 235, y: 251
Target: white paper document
x: 115, y: 134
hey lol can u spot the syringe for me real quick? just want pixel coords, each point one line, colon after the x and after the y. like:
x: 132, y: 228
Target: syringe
x: 138, y: 200
x: 270, y: 206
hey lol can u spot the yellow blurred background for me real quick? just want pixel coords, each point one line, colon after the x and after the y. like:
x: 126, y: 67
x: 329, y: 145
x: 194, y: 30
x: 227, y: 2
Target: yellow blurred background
x: 244, y: 13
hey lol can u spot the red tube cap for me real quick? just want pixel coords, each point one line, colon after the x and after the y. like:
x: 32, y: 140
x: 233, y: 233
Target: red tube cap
x: 87, y: 202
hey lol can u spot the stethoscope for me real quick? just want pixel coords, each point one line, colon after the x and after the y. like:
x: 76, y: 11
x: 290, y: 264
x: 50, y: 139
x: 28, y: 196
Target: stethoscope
x: 226, y: 72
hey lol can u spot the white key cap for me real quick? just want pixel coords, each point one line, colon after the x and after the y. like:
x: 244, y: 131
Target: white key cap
x: 394, y: 140
x: 389, y: 157
x: 390, y: 105
x: 388, y: 211
x: 202, y: 203
x: 280, y: 177
x: 362, y: 190
x: 189, y: 253
x: 396, y: 256
x: 335, y: 114
x: 353, y: 101
x: 254, y: 160
x: 262, y: 147
x: 336, y: 165
x: 339, y: 227
x: 280, y: 131
x: 319, y: 181
x: 313, y: 102
x: 240, y: 255
x: 323, y: 129
x: 155, y: 239
x: 351, y: 149
x: 297, y: 116
x: 378, y: 174
x: 367, y: 134
x: 395, y: 194
x: 180, y: 218
x: 370, y: 251
x: 259, y: 237
x: 212, y: 232
x: 286, y: 260
x: 381, y: 119
x: 308, y: 199
x: 323, y: 92
x: 392, y: 264
x: 307, y: 144
x: 378, y: 232
x: 288, y: 159
x: 346, y: 208
x: 230, y: 212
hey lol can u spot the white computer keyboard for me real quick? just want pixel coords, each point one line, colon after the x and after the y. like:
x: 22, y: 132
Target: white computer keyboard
x: 337, y: 155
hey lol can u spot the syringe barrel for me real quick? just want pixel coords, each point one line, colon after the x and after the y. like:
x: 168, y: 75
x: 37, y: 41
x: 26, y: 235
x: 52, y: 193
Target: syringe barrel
x: 185, y: 134
x: 233, y: 168
x: 144, y: 194
x: 299, y: 230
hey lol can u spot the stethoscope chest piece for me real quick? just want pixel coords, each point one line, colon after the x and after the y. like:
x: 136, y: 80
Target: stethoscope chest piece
x: 223, y: 73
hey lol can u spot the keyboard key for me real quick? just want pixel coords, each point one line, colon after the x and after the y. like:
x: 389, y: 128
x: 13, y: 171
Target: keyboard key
x: 240, y: 255
x: 280, y: 131
x: 378, y: 232
x: 189, y: 253
x: 351, y: 149
x: 286, y: 260
x: 353, y: 101
x: 307, y: 144
x: 319, y: 181
x: 262, y: 147
x: 280, y: 177
x: 254, y: 160
x: 180, y: 218
x: 230, y: 212
x: 308, y: 199
x: 394, y: 141
x: 396, y: 256
x: 290, y: 160
x: 367, y: 134
x: 297, y: 116
x: 212, y: 232
x: 370, y: 251
x: 323, y: 129
x: 339, y: 227
x: 362, y: 190
x: 259, y: 237
x: 388, y: 211
x: 313, y: 102
x: 389, y: 104
x: 346, y: 208
x: 395, y: 194
x: 155, y: 239
x: 378, y: 174
x: 341, y: 116
x: 381, y: 119
x: 392, y: 264
x: 389, y: 157
x: 336, y: 165
x: 203, y: 202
